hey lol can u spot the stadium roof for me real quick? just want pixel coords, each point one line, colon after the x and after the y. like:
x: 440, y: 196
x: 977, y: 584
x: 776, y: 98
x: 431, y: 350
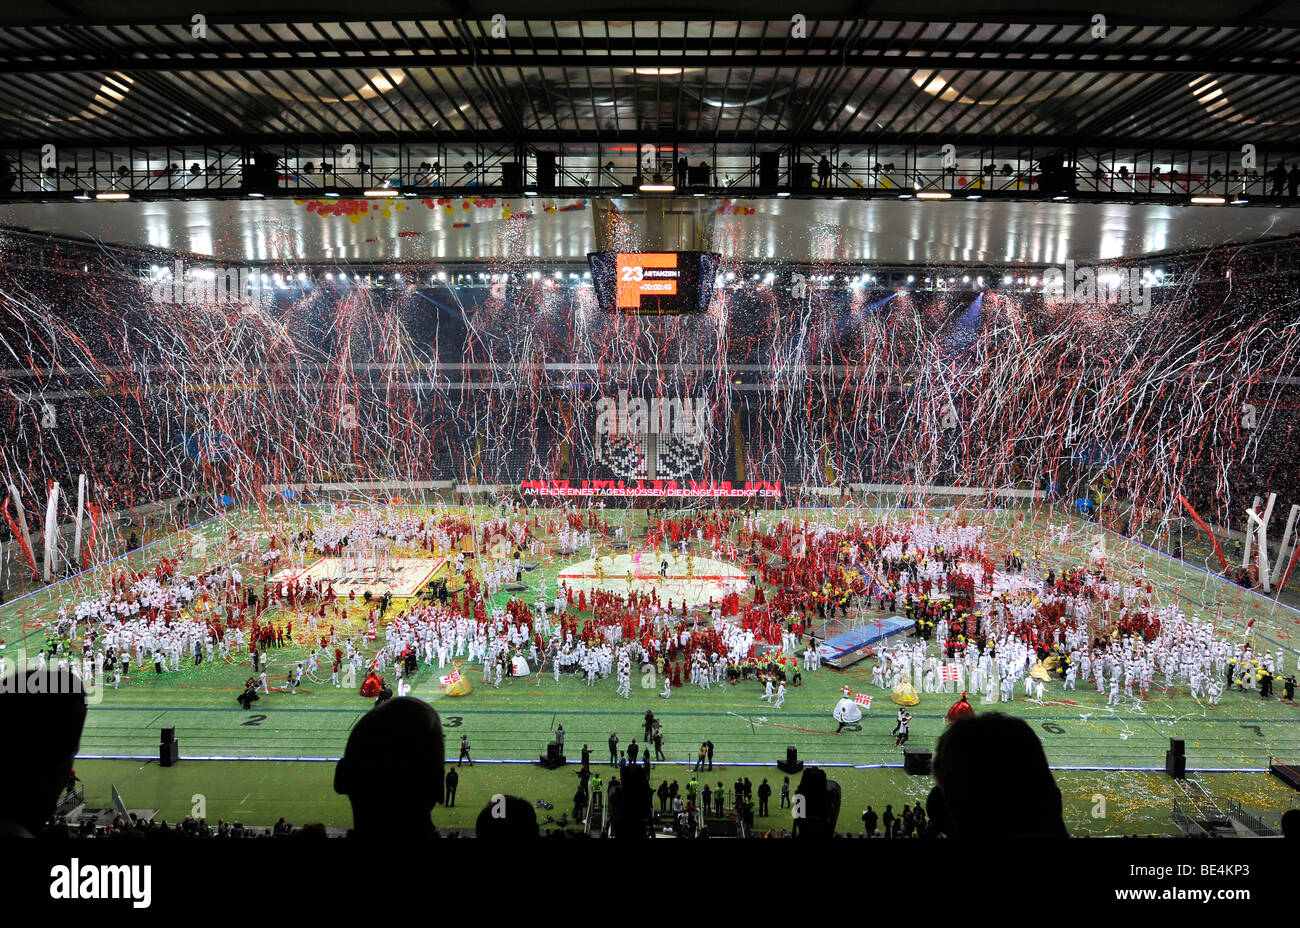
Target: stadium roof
x: 141, y: 95
x: 142, y: 72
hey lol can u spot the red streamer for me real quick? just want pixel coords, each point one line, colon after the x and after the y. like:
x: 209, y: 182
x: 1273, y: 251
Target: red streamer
x: 1214, y: 541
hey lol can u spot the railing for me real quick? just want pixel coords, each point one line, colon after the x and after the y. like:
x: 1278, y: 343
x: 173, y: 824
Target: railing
x: 1251, y: 820
x: 71, y: 800
x: 1187, y: 823
x: 486, y: 167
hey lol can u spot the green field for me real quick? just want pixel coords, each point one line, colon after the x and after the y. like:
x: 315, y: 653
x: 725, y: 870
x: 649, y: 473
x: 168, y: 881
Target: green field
x: 285, y: 733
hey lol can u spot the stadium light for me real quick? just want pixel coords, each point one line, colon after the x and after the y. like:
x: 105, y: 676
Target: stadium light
x: 113, y: 195
x: 1209, y: 201
x: 657, y: 185
x: 934, y: 195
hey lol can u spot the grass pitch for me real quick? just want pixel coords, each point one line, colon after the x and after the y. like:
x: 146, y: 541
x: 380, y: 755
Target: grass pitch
x: 286, y: 742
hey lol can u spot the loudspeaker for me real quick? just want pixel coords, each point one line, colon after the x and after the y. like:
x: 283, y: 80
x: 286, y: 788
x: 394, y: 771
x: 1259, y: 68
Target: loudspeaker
x: 546, y: 170
x: 553, y: 759
x: 698, y: 175
x: 169, y: 752
x: 168, y: 735
x: 769, y: 168
x: 803, y: 175
x: 1176, y: 765
x: 261, y: 173
x: 792, y: 763
x: 916, y: 762
x: 512, y: 175
x: 1177, y: 747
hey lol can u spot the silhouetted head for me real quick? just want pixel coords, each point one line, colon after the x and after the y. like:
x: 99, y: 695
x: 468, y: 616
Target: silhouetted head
x: 392, y: 768
x: 507, y: 817
x: 41, y: 714
x: 993, y: 776
x: 1291, y: 823
x: 634, y: 809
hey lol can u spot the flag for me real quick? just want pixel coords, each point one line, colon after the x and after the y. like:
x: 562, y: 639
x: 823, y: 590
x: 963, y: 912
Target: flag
x: 950, y: 673
x: 450, y: 679
x: 862, y: 699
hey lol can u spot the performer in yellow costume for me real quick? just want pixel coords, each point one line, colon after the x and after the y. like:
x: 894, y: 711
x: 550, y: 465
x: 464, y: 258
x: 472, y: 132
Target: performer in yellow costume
x: 905, y: 695
x: 461, y: 687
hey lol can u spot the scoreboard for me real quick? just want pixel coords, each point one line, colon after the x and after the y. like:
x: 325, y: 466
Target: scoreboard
x: 653, y: 283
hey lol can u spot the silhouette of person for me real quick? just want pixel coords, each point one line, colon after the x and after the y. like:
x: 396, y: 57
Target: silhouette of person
x: 1293, y: 181
x: 43, y: 717
x: 450, y: 784
x: 1278, y: 175
x: 819, y: 800
x: 1291, y: 823
x: 824, y: 172
x: 392, y: 770
x: 635, y: 806
x: 507, y: 817
x: 992, y: 776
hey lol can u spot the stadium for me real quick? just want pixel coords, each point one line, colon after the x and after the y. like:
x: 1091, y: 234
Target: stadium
x: 779, y: 391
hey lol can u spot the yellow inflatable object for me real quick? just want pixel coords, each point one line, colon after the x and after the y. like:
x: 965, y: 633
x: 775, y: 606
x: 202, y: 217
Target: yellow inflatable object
x: 904, y: 695
x: 461, y: 687
x: 1040, y: 673
x: 457, y: 689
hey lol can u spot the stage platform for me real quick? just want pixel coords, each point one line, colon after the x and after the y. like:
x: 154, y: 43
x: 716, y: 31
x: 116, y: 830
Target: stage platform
x: 404, y: 576
x: 847, y: 648
x: 1287, y: 773
x: 708, y: 579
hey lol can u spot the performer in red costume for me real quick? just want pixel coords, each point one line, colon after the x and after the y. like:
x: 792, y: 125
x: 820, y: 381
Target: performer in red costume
x: 961, y: 709
x: 371, y: 686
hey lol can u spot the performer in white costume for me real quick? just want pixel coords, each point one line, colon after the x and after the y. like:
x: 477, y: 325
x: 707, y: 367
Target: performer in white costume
x: 847, y: 712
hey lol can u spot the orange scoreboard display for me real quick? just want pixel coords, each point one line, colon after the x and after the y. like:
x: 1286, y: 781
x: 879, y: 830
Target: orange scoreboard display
x: 670, y: 282
x: 641, y: 275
